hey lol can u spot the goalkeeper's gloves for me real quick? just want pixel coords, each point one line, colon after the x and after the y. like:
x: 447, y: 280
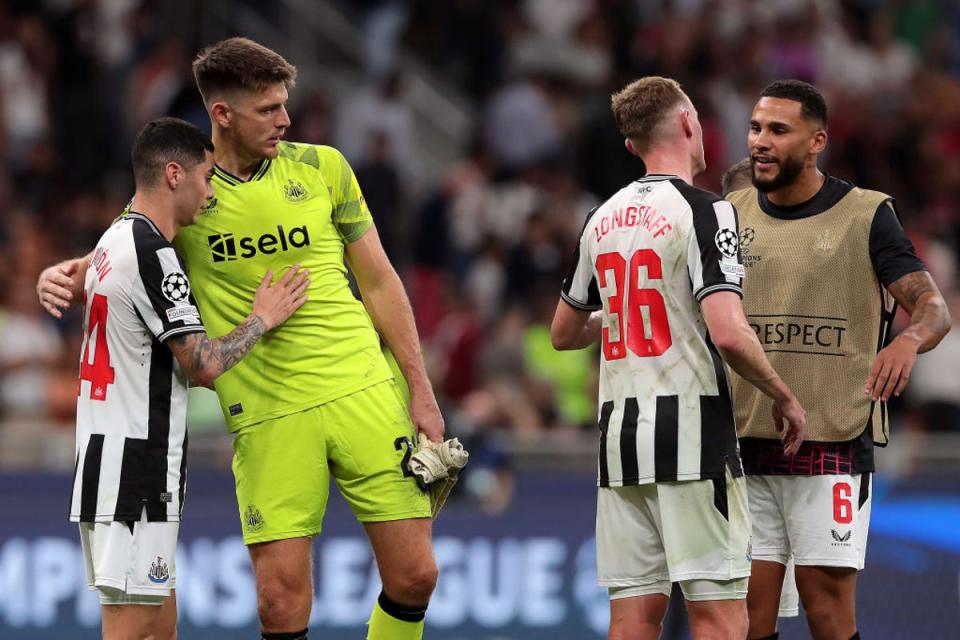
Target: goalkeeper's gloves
x: 436, y: 467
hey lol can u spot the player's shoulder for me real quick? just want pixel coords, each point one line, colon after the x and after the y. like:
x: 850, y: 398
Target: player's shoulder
x: 315, y: 156
x: 863, y: 204
x: 696, y: 197
x: 741, y: 197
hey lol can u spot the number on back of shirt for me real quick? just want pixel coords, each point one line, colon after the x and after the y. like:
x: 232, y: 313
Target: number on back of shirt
x: 98, y: 371
x: 645, y: 330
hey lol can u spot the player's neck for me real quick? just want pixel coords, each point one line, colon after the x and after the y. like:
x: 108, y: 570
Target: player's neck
x: 807, y: 184
x: 231, y: 158
x: 159, y: 212
x: 665, y: 162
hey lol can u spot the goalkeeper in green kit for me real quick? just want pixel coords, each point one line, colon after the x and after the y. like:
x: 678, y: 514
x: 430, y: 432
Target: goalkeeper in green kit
x: 316, y: 397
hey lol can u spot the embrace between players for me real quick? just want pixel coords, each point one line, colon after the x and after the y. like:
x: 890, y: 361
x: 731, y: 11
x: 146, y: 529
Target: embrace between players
x: 306, y: 390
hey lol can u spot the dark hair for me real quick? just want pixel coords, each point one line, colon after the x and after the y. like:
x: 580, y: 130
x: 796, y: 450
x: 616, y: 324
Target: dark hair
x: 812, y: 104
x: 240, y: 64
x: 166, y: 140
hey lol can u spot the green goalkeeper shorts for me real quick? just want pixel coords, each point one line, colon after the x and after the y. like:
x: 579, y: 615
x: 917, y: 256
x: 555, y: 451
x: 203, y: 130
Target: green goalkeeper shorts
x: 282, y: 467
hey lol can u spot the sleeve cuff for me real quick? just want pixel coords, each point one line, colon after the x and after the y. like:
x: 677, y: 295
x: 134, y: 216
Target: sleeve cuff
x: 703, y: 292
x: 579, y: 305
x: 194, y: 328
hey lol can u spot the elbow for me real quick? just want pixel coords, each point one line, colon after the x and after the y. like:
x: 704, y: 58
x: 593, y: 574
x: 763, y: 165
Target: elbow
x: 561, y: 341
x: 205, y: 377
x: 726, y: 341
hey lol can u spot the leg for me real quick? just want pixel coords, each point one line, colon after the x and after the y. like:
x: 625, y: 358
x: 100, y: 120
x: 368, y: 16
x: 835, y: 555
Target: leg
x: 636, y: 617
x: 409, y: 574
x: 282, y: 569
x: 139, y: 621
x: 829, y: 598
x: 763, y: 598
x: 717, y: 608
x: 370, y: 440
x: 282, y: 481
x: 771, y: 552
x: 828, y: 533
x: 718, y: 619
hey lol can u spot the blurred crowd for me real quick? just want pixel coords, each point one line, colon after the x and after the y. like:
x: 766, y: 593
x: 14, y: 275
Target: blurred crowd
x: 482, y: 248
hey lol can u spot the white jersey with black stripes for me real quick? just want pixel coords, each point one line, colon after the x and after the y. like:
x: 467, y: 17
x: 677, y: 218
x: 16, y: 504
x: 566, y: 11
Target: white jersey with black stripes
x: 647, y: 257
x: 131, y: 407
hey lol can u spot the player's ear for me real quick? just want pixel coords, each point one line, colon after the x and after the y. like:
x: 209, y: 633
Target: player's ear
x: 221, y: 113
x: 819, y: 142
x: 173, y: 174
x: 628, y: 143
x: 686, y: 123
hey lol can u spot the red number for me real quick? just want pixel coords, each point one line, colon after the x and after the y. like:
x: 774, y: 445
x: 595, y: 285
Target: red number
x: 637, y: 338
x: 842, y: 506
x: 99, y: 372
x: 613, y: 349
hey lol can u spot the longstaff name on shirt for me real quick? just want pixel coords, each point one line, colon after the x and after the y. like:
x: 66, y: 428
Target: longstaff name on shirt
x: 641, y: 215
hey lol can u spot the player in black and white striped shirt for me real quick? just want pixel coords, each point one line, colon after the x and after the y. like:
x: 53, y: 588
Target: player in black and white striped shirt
x: 656, y: 278
x: 143, y: 339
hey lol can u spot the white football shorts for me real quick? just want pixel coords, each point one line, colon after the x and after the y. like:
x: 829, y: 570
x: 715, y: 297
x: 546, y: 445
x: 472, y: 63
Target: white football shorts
x: 822, y: 521
x: 130, y: 565
x: 696, y: 533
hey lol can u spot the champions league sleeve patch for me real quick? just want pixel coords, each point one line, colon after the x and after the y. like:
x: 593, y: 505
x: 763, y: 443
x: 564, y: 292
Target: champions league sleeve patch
x: 727, y: 242
x: 175, y: 287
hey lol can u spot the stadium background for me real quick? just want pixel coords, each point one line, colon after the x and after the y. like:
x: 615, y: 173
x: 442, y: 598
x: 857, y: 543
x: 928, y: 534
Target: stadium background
x: 481, y: 135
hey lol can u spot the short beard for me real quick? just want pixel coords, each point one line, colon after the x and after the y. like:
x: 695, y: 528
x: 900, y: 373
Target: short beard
x: 790, y: 170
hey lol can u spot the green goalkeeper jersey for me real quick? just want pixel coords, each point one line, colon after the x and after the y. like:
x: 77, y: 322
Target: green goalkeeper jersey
x: 303, y: 207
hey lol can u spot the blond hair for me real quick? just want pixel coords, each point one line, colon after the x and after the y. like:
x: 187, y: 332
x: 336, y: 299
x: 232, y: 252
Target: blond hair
x: 240, y: 64
x: 641, y: 106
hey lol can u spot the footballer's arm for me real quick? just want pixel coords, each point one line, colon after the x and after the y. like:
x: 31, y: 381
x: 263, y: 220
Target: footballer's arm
x: 204, y: 359
x: 929, y: 322
x: 574, y: 328
x: 60, y: 285
x: 738, y: 344
x: 386, y: 302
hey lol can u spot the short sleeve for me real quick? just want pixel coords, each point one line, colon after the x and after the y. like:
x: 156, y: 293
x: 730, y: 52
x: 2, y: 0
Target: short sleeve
x: 891, y: 251
x: 161, y: 294
x: 580, y: 288
x: 714, y: 262
x: 350, y: 214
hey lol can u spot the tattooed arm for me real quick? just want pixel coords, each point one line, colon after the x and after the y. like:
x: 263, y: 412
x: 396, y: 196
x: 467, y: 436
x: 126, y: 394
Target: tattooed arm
x: 205, y: 358
x: 929, y: 322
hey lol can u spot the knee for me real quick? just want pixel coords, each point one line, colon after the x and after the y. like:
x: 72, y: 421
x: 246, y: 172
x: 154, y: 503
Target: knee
x: 282, y: 603
x: 415, y: 585
x: 729, y: 625
x: 647, y: 629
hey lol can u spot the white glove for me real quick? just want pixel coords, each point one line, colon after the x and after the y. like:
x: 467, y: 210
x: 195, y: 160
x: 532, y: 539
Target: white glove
x: 436, y: 466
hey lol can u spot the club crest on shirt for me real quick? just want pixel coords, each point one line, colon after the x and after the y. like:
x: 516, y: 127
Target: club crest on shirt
x: 294, y: 191
x: 826, y: 241
x: 210, y: 207
x: 159, y: 572
x: 252, y: 518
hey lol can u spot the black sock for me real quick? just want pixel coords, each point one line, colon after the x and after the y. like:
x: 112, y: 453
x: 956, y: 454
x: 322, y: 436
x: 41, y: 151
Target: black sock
x: 401, y: 611
x: 772, y: 636
x: 285, y: 635
x: 855, y: 636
